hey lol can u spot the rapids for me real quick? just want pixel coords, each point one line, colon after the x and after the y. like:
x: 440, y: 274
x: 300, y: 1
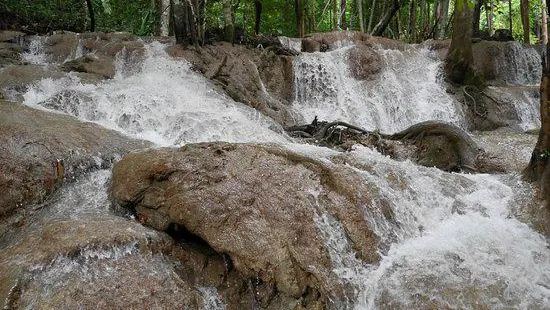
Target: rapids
x: 454, y: 240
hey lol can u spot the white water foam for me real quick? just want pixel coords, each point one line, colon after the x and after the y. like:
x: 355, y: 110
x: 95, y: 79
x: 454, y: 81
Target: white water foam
x: 163, y: 101
x: 407, y: 91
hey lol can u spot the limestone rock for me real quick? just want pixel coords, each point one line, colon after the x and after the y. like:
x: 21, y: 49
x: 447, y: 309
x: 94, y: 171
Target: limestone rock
x: 14, y: 80
x: 91, y: 64
x: 10, y: 54
x: 40, y: 150
x: 259, y: 79
x: 261, y: 206
x: 93, y: 263
x: 61, y: 46
x: 364, y: 62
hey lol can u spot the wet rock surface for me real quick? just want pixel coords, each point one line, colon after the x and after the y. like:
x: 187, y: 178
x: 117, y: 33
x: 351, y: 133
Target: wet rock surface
x: 256, y: 77
x: 40, y: 150
x: 258, y: 206
x: 75, y: 253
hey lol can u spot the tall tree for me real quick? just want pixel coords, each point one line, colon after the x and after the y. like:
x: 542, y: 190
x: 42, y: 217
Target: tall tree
x: 489, y: 16
x: 386, y: 18
x: 258, y: 16
x: 228, y: 19
x: 359, y: 4
x: 544, y: 24
x: 371, y: 18
x: 525, y: 21
x: 412, y: 22
x: 91, y: 14
x: 334, y: 14
x: 537, y: 170
x: 299, y: 10
x: 343, y: 8
x: 476, y: 17
x: 459, y: 60
x: 442, y: 21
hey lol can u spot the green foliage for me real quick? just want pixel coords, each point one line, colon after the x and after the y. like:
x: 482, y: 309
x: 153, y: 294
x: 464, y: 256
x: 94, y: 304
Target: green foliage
x: 42, y: 16
x: 138, y: 16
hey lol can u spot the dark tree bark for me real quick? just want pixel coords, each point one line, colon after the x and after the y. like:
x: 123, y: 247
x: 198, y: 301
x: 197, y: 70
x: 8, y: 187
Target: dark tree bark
x: 537, y: 170
x: 477, y: 16
x: 229, y: 25
x: 92, y: 15
x: 510, y: 15
x: 525, y: 21
x: 258, y: 15
x: 299, y: 18
x: 412, y: 22
x: 186, y: 21
x: 386, y: 19
x: 459, y: 60
x: 343, y: 8
x: 359, y: 4
x: 442, y: 20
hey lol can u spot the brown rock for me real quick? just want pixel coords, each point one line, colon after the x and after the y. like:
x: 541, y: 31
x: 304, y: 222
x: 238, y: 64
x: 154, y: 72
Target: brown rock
x: 10, y: 54
x: 92, y: 264
x: 256, y: 204
x: 11, y: 36
x: 364, y: 62
x: 61, y: 46
x: 40, y: 150
x: 255, y: 77
x: 15, y: 80
x: 93, y: 64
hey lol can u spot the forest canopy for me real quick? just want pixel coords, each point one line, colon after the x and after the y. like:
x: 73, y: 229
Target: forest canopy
x: 412, y: 21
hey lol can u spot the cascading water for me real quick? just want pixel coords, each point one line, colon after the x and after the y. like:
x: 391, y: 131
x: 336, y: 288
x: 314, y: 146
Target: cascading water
x: 164, y: 102
x: 392, y: 102
x: 452, y: 240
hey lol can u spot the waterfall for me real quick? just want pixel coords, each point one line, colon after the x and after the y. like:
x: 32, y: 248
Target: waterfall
x: 161, y: 100
x: 452, y: 241
x: 394, y: 101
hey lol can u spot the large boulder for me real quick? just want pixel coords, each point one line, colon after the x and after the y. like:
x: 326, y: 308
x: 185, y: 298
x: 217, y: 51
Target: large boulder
x: 91, y: 64
x: 15, y: 80
x: 41, y: 150
x: 364, y: 62
x: 268, y: 211
x: 89, y: 259
x: 61, y: 46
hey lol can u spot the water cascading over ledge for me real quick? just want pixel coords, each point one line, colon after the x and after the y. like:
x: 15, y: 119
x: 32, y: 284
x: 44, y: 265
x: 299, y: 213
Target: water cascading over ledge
x: 408, y: 90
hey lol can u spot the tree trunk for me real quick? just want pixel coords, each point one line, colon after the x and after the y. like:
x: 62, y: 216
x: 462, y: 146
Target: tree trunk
x: 92, y: 15
x: 489, y: 12
x: 476, y: 17
x: 334, y: 15
x: 459, y: 60
x: 229, y: 26
x: 442, y: 23
x: 412, y: 22
x: 544, y: 24
x: 359, y: 4
x: 258, y: 11
x: 299, y: 18
x: 537, y: 170
x: 386, y: 19
x: 179, y: 16
x: 372, y: 9
x: 510, y: 16
x: 343, y: 8
x: 525, y: 21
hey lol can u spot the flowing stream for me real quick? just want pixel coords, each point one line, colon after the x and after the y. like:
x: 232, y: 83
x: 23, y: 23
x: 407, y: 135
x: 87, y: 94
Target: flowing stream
x: 454, y: 241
